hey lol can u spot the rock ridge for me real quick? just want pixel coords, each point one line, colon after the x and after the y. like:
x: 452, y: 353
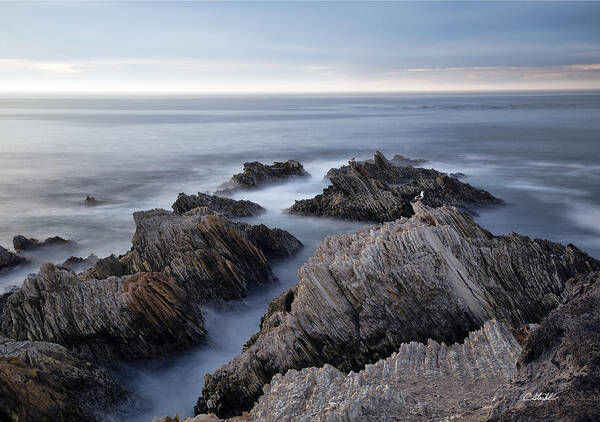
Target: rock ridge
x: 436, y: 275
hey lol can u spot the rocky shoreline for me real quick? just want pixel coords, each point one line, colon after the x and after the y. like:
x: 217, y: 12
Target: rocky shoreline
x: 425, y: 316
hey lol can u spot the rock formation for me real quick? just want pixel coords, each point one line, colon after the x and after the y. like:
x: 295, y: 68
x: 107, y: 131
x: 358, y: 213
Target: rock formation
x: 9, y: 259
x: 22, y: 243
x: 381, y: 191
x: 256, y: 174
x: 78, y: 264
x: 419, y: 382
x: 559, y: 370
x: 137, y: 316
x: 45, y: 382
x: 225, y: 206
x: 90, y: 201
x: 437, y: 275
x: 401, y: 161
x: 210, y: 257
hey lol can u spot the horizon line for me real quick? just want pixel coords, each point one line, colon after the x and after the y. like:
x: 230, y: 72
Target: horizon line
x: 269, y: 93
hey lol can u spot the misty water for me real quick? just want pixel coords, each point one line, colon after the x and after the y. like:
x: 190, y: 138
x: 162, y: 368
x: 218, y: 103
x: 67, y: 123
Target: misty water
x: 537, y: 151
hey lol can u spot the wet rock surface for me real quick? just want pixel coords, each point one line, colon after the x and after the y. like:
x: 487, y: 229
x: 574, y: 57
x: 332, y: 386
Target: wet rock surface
x: 137, y: 316
x: 437, y: 275
x: 381, y: 191
x: 256, y: 174
x: 42, y: 381
x: 22, y: 243
x: 218, y: 205
x: 9, y: 259
x: 418, y: 382
x: 78, y: 264
x: 558, y: 375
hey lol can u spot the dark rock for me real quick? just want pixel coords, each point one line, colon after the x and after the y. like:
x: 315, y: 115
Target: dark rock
x: 560, y: 362
x: 458, y: 175
x: 22, y: 243
x: 256, y: 174
x: 225, y: 206
x: 9, y: 259
x: 380, y: 191
x: 42, y: 381
x: 400, y: 161
x: 90, y: 201
x: 106, y: 267
x: 137, y: 316
x: 437, y: 275
x: 274, y: 243
x: 78, y: 264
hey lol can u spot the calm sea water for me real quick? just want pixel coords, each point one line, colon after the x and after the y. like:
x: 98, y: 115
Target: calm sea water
x: 539, y: 152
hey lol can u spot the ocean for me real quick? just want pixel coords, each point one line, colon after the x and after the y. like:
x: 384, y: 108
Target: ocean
x: 539, y: 152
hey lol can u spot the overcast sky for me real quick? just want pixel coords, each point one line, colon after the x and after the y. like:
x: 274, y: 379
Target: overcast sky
x: 297, y: 47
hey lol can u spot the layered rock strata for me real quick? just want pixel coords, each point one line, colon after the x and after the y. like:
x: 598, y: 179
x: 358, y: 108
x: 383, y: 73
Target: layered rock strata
x: 419, y: 382
x: 9, y: 259
x: 137, y: 316
x: 210, y: 257
x: 230, y: 208
x: 256, y: 174
x: 437, y: 275
x: 45, y: 382
x: 558, y: 375
x: 380, y: 191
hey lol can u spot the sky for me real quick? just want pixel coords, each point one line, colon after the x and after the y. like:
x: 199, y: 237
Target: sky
x: 271, y: 47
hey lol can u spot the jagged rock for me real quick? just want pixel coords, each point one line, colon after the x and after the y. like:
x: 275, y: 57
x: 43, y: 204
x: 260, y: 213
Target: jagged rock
x: 401, y: 161
x: 228, y: 207
x: 90, y: 201
x: 381, y: 191
x: 199, y: 418
x: 419, y: 382
x: 42, y: 381
x: 458, y: 175
x: 9, y: 259
x: 106, y: 267
x: 437, y: 275
x: 3, y: 299
x: 256, y: 174
x: 274, y: 243
x: 78, y: 264
x: 210, y: 257
x: 560, y: 363
x: 22, y: 243
x: 137, y: 316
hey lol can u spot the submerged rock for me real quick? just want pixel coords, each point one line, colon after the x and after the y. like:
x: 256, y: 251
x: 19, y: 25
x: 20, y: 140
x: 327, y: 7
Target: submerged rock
x: 228, y: 207
x: 256, y: 174
x: 22, y: 243
x: 137, y: 316
x: 559, y: 370
x: 380, y: 191
x: 419, y: 382
x: 437, y: 275
x: 9, y: 259
x: 42, y: 381
x: 90, y: 201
